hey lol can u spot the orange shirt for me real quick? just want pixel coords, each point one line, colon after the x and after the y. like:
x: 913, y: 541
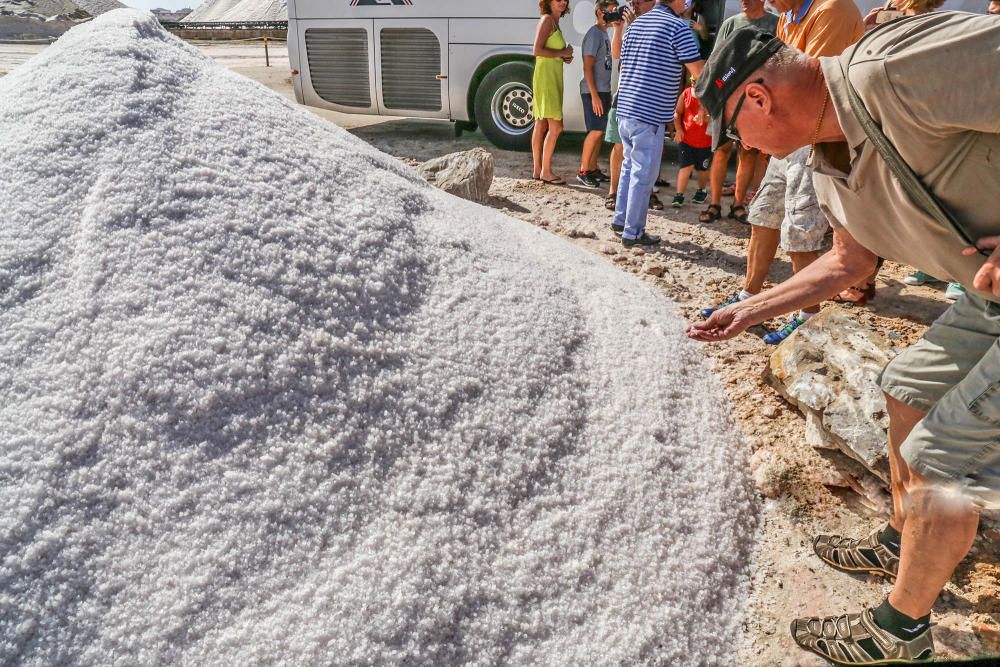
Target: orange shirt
x: 829, y: 27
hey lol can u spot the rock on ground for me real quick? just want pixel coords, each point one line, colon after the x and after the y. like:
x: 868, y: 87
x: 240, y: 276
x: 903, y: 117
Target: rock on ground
x: 830, y: 370
x: 468, y: 174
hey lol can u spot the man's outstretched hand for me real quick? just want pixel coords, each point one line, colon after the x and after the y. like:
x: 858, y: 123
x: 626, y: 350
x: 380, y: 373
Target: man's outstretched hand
x: 722, y: 325
x: 988, y: 277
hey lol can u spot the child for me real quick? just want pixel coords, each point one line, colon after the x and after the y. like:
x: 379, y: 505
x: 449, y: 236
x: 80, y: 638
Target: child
x: 694, y: 149
x: 595, y: 91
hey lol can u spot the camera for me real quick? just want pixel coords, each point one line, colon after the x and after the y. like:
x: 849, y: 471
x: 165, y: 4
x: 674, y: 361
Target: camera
x: 888, y: 15
x: 614, y: 17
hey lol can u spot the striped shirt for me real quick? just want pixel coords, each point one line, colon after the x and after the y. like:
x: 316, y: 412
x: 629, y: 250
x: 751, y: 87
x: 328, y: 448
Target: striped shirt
x: 654, y: 50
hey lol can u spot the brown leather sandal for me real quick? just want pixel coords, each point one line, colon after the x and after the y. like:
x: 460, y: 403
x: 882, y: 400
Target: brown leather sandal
x: 711, y: 214
x: 856, y: 296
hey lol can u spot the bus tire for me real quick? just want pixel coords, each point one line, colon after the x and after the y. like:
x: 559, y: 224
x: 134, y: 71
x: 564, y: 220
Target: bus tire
x: 503, y: 106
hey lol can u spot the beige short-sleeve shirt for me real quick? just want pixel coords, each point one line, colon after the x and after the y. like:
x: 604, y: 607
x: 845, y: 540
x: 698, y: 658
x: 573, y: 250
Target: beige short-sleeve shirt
x: 932, y: 83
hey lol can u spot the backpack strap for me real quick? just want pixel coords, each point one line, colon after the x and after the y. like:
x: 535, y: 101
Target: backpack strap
x: 915, y: 188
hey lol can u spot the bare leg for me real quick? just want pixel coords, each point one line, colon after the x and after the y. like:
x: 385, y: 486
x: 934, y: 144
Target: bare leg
x: 683, y: 176
x: 938, y: 534
x: 591, y: 151
x: 801, y: 260
x: 745, y: 168
x: 720, y: 164
x: 759, y: 170
x: 617, y: 155
x: 549, y: 148
x: 702, y: 179
x: 902, y: 419
x: 763, y: 247
x: 537, y: 142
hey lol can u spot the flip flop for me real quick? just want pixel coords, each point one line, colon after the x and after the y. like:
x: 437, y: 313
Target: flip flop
x: 555, y: 181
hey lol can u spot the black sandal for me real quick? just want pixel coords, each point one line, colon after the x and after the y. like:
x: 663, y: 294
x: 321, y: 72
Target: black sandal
x: 739, y: 217
x: 654, y: 203
x: 611, y: 201
x: 711, y: 214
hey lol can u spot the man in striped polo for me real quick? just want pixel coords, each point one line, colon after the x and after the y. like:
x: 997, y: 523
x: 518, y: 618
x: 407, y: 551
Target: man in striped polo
x: 658, y: 45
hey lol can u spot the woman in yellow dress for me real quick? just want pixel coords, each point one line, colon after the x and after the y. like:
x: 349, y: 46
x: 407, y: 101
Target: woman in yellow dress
x: 551, y: 52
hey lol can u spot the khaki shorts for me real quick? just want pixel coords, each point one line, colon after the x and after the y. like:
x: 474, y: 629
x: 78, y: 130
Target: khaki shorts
x: 786, y: 200
x: 953, y: 374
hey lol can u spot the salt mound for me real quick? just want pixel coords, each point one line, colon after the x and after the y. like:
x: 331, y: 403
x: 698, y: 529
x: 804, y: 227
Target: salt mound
x: 223, y: 11
x: 266, y: 397
x: 98, y: 7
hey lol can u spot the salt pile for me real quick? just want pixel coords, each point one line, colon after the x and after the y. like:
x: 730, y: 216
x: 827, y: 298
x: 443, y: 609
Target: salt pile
x: 98, y: 7
x: 266, y: 397
x: 223, y: 11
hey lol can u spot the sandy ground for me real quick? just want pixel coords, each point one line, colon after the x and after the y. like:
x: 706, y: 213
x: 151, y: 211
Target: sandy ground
x: 695, y: 265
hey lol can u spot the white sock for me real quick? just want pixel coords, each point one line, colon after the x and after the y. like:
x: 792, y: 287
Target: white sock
x: 804, y: 316
x: 744, y: 295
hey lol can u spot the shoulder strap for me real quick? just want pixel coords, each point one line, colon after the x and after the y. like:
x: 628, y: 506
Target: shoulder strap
x: 915, y: 188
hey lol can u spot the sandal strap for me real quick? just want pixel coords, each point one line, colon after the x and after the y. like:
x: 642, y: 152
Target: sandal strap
x: 855, y: 639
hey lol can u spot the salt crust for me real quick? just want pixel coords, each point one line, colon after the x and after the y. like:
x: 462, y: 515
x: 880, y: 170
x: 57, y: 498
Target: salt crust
x: 268, y: 398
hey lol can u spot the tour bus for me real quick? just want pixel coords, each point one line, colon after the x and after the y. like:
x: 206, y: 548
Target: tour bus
x: 468, y: 61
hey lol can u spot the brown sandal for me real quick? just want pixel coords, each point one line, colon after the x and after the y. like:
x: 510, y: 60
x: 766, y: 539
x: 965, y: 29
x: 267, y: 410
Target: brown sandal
x: 654, y: 203
x: 856, y: 296
x: 711, y: 214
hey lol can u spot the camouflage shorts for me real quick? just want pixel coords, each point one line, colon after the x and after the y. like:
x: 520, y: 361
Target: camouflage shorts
x: 787, y: 201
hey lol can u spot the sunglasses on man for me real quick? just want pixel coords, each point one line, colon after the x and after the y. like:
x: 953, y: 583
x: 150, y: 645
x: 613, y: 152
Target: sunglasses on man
x: 731, y: 132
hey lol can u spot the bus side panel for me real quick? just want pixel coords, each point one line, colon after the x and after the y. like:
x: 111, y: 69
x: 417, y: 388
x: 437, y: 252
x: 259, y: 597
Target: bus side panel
x: 294, y: 57
x: 474, y: 41
x: 519, y: 32
x: 328, y: 63
x: 386, y: 9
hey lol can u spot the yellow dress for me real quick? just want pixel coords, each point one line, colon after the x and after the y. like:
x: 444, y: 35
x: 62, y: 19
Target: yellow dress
x: 547, y: 81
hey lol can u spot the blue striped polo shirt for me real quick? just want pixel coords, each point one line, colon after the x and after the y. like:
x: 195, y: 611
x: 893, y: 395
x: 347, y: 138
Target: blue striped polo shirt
x: 654, y: 50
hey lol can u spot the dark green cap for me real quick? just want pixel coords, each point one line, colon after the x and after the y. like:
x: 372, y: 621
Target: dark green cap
x: 732, y: 61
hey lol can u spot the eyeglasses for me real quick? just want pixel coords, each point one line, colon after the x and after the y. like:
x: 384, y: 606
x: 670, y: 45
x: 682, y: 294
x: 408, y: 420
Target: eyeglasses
x: 731, y: 132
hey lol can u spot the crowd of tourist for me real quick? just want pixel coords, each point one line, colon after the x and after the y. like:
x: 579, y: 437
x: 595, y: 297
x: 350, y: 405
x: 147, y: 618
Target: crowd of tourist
x: 881, y: 130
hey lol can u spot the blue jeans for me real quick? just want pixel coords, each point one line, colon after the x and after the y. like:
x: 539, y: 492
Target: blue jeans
x: 643, y: 148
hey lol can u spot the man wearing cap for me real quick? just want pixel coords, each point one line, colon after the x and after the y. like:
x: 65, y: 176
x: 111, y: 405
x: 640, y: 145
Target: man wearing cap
x: 658, y: 45
x: 784, y: 211
x: 942, y: 393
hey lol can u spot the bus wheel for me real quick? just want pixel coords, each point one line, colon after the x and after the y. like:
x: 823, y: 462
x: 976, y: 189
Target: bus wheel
x: 503, y: 106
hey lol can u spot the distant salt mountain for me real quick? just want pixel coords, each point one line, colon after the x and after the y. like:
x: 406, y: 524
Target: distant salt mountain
x: 222, y: 11
x: 98, y: 7
x: 39, y: 19
x: 170, y: 15
x: 44, y: 10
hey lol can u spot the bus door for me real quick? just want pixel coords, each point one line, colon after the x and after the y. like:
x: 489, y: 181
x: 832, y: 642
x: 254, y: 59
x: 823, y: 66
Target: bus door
x: 411, y: 67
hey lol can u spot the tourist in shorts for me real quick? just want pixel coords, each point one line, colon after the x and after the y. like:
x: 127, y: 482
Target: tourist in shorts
x: 784, y: 212
x: 943, y: 392
x: 750, y: 163
x: 551, y: 53
x: 595, y: 93
x: 694, y: 146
